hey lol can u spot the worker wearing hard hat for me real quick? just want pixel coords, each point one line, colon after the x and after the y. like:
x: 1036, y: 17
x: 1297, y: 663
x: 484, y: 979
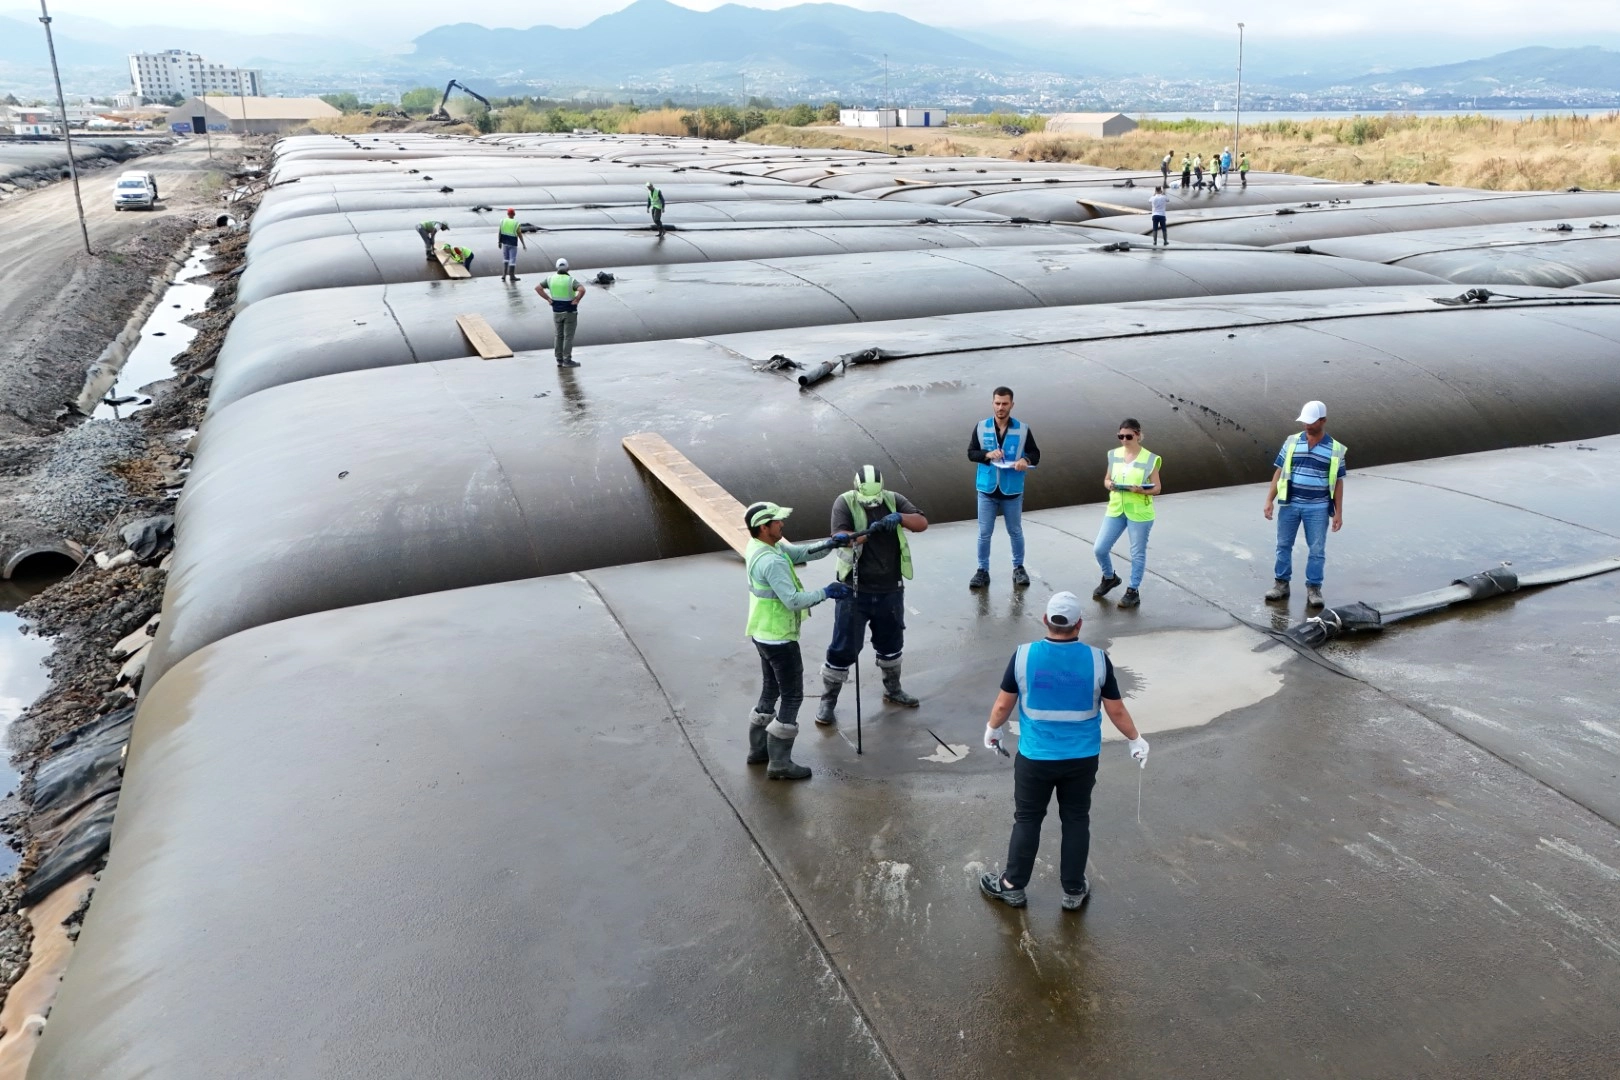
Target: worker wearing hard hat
x: 777, y: 604
x: 427, y: 231
x: 511, y: 236
x: 564, y: 291
x: 1309, y: 486
x: 655, y: 204
x: 878, y: 567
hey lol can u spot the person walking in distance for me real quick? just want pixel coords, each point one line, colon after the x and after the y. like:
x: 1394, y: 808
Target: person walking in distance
x: 1060, y: 687
x: 1132, y: 479
x: 655, y: 206
x: 564, y: 291
x: 427, y: 231
x: 1226, y: 163
x: 1186, y: 171
x: 777, y: 604
x: 1004, y: 449
x: 880, y: 565
x: 1308, y: 489
x: 511, y: 236
x: 1164, y: 168
x: 1198, y: 172
x: 1160, y: 205
x: 1243, y: 171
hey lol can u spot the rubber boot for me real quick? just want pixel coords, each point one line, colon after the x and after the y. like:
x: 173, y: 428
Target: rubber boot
x: 891, y: 685
x: 757, y: 752
x: 831, y: 683
x: 1279, y: 591
x: 779, y: 746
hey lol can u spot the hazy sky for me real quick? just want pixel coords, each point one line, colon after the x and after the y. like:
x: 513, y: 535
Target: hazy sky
x: 389, y: 21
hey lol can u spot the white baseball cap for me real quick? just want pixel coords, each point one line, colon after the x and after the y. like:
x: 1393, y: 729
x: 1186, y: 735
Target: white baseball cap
x: 562, y: 264
x: 1063, y: 610
x: 1311, y: 413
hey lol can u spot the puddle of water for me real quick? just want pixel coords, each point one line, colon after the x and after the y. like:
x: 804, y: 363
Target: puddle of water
x: 1186, y: 678
x: 22, y: 679
x: 163, y: 337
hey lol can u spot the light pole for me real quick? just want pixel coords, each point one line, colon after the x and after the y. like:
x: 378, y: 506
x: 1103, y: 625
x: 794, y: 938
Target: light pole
x: 67, y: 136
x: 882, y: 109
x: 1237, y: 122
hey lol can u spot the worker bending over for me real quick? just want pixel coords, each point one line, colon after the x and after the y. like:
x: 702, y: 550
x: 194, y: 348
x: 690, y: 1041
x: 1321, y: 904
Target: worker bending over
x: 427, y: 231
x: 878, y: 566
x: 564, y: 291
x: 510, y: 237
x: 777, y: 604
x: 459, y: 255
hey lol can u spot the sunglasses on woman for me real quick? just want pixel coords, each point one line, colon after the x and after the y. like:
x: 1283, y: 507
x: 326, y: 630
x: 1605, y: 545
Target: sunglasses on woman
x: 1126, y: 437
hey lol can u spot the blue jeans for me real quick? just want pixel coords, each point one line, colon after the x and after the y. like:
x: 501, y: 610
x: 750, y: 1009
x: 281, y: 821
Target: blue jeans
x: 1290, y: 516
x: 1013, y: 510
x: 1112, y: 528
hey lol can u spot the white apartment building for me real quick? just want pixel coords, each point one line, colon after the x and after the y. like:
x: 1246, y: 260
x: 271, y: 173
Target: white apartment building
x: 175, y: 71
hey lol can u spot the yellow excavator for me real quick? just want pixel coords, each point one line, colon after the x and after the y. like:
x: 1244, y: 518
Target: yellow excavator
x: 444, y: 116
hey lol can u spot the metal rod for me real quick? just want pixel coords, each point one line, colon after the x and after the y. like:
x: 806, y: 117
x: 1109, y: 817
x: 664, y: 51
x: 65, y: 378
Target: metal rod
x: 67, y: 137
x: 855, y: 599
x: 1237, y: 120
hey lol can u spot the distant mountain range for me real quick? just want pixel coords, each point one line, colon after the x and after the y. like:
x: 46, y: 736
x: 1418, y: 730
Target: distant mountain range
x: 818, y: 51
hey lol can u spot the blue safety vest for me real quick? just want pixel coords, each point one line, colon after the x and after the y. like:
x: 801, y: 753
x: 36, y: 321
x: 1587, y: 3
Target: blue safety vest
x: 1059, y: 699
x: 1007, y: 481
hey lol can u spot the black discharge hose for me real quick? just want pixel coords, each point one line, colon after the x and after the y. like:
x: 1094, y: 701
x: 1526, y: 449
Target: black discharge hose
x: 1334, y: 621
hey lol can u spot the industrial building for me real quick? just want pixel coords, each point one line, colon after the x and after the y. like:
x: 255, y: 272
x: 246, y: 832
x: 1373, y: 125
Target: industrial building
x: 250, y: 115
x: 887, y: 118
x: 175, y: 71
x: 1097, y: 125
x: 438, y: 764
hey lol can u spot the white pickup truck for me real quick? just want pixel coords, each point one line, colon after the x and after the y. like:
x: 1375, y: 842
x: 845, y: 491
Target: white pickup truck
x: 135, y: 190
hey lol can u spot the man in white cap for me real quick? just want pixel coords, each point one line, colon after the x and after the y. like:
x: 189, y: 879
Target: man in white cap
x: 777, y: 604
x: 1061, y: 687
x: 1309, y: 485
x: 565, y: 292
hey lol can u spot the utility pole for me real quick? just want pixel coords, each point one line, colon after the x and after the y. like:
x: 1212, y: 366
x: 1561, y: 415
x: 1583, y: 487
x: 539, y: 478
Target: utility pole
x: 882, y: 110
x: 67, y: 137
x: 1237, y: 123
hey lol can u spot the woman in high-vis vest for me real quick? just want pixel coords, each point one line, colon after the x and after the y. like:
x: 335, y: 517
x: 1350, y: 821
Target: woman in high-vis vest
x: 1132, y: 480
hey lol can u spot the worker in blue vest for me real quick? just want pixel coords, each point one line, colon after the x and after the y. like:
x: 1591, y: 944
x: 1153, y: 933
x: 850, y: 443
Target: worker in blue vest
x: 511, y: 236
x: 564, y: 291
x: 777, y: 604
x: 655, y: 206
x: 1060, y: 687
x: 1132, y: 480
x: 1309, y: 485
x: 878, y: 566
x: 1004, y: 449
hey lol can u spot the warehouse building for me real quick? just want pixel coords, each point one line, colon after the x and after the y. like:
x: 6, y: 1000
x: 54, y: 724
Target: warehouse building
x: 250, y: 115
x: 1096, y: 124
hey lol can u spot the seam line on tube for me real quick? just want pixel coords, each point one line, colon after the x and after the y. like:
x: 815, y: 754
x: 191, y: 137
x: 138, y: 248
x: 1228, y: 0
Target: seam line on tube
x: 389, y: 307
x: 753, y: 838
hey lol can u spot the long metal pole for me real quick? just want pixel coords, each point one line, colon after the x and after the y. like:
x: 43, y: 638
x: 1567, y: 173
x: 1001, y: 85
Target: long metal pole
x: 67, y: 137
x: 1237, y: 124
x: 883, y: 112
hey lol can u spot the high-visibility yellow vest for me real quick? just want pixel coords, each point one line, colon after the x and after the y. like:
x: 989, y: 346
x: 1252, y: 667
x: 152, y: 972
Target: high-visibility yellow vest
x: 1338, y: 451
x: 560, y: 286
x: 509, y: 227
x: 768, y: 618
x: 1122, y: 469
x: 857, y: 512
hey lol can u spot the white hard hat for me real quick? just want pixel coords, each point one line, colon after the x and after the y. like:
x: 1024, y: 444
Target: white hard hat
x: 562, y: 264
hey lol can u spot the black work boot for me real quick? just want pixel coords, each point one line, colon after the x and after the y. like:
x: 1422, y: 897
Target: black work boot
x: 891, y: 686
x: 1108, y: 585
x: 1020, y: 577
x: 980, y: 579
x: 757, y: 753
x: 780, y: 750
x: 831, y: 684
x: 1132, y: 598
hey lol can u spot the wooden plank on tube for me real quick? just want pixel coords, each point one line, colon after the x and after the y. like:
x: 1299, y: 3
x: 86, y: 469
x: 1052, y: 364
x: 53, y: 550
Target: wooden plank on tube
x: 713, y: 504
x: 483, y: 337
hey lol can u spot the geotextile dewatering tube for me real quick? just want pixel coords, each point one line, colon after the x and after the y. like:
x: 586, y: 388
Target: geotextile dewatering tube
x: 1499, y: 581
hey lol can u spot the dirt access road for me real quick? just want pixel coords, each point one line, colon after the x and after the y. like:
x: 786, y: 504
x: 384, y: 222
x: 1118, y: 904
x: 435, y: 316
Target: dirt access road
x: 60, y: 307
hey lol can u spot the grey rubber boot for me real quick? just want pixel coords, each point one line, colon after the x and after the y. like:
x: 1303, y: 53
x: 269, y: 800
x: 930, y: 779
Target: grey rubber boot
x: 831, y: 683
x: 757, y: 753
x: 891, y: 684
x: 1279, y: 591
x: 779, y: 745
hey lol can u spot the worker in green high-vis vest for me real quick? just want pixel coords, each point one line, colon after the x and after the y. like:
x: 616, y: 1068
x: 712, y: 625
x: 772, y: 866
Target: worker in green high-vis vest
x: 564, y: 291
x: 511, y: 235
x: 1132, y: 480
x: 655, y: 203
x: 777, y: 604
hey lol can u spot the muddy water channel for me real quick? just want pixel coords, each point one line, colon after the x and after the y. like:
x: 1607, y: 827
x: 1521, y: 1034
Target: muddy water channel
x: 22, y: 679
x: 163, y: 337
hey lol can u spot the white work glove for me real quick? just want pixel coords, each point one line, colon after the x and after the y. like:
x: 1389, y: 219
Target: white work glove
x: 993, y: 737
x: 1139, y: 750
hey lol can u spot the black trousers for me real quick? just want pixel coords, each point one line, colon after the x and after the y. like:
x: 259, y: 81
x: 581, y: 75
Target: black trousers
x: 782, y: 675
x: 1033, y: 784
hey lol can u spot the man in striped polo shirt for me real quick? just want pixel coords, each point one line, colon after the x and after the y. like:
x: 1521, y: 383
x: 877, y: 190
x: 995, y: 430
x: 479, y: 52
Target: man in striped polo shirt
x: 1309, y: 483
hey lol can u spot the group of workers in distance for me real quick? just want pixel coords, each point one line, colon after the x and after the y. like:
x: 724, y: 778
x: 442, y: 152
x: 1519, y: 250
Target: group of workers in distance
x: 1057, y: 688
x: 1192, y: 170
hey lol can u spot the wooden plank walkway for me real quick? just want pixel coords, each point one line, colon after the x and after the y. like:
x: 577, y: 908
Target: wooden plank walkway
x: 713, y: 504
x: 483, y: 337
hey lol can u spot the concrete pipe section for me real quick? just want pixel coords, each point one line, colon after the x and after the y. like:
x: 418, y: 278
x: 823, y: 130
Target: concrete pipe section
x: 396, y: 257
x: 431, y: 202
x: 439, y: 476
x: 1297, y: 225
x: 1554, y: 254
x: 812, y: 209
x: 302, y: 335
x: 508, y: 831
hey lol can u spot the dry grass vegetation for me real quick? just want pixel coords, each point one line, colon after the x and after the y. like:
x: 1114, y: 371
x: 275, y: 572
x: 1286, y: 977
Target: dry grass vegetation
x: 1546, y: 153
